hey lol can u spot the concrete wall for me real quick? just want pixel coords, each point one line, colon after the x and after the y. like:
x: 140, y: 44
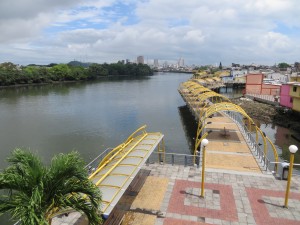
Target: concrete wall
x: 296, y: 104
x: 254, y: 83
x: 285, y: 98
x: 293, y: 92
x: 270, y: 89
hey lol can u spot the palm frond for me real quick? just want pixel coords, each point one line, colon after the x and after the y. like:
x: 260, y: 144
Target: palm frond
x: 32, y: 192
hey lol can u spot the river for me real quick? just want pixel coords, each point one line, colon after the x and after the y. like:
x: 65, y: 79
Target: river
x: 91, y: 116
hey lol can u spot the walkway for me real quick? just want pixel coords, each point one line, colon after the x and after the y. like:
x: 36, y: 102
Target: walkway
x: 229, y: 147
x: 230, y: 198
x: 170, y: 196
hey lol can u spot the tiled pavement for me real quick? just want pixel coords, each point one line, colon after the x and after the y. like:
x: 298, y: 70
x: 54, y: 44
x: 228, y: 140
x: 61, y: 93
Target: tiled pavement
x: 230, y: 197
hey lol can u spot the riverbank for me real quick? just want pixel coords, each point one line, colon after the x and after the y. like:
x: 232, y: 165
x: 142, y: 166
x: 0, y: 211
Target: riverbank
x: 265, y: 113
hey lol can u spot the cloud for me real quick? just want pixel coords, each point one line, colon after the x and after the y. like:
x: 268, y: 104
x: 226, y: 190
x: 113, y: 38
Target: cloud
x: 275, y: 42
x: 203, y: 32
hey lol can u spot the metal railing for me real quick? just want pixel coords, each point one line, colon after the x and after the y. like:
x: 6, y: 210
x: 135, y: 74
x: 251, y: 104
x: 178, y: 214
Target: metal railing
x: 91, y: 166
x: 174, y: 159
x: 270, y: 98
x: 264, y: 160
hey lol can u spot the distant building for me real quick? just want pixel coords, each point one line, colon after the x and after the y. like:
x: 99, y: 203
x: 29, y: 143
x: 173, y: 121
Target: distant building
x: 156, y: 63
x: 140, y: 59
x: 181, y: 62
x: 165, y: 65
x: 255, y: 85
x: 297, y: 66
x: 127, y: 61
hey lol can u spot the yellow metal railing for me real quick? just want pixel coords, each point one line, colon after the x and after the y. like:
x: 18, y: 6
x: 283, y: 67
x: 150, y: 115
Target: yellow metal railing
x: 205, y: 103
x: 121, y: 152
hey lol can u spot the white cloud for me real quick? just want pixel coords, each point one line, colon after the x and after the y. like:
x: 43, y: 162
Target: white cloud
x: 261, y: 31
x: 275, y: 42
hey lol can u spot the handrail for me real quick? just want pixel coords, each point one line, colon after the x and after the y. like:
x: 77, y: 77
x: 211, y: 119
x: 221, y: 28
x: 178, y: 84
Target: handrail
x: 108, y: 158
x: 135, y: 132
x: 90, y: 163
x: 195, y: 92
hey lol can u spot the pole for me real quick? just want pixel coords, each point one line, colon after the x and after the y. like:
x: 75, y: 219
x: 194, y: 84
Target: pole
x: 289, y: 180
x: 203, y: 170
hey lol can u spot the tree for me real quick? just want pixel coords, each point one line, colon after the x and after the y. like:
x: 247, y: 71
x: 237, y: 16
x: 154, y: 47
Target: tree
x: 95, y: 70
x: 60, y: 72
x: 33, y: 193
x: 283, y: 65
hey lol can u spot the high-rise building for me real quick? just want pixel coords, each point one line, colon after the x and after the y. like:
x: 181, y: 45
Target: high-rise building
x: 165, y: 65
x: 140, y: 59
x: 156, y: 63
x: 181, y: 62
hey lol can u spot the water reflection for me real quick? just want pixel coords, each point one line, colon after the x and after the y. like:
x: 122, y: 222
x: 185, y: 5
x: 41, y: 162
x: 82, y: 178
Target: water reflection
x: 90, y: 116
x: 282, y: 138
x: 189, y: 125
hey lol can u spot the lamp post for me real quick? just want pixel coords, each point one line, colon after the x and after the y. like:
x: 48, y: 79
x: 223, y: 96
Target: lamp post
x: 293, y: 149
x: 204, y: 143
x: 198, y: 142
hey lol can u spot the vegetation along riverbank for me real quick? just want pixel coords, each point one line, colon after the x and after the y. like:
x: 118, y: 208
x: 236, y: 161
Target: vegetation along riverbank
x: 269, y: 114
x: 12, y: 74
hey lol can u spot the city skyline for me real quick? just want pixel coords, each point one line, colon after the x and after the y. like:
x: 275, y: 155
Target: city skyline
x: 201, y: 32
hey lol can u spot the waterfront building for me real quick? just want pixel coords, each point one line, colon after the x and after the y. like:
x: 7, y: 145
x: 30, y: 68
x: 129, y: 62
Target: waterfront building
x: 295, y: 94
x: 255, y: 85
x: 285, y: 98
x: 240, y: 79
x: 277, y: 77
x: 295, y: 77
x: 140, y: 59
x: 238, y: 73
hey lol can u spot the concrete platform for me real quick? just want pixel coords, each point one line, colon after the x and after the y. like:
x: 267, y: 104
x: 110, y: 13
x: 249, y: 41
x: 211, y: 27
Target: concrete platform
x: 230, y: 198
x: 171, y: 196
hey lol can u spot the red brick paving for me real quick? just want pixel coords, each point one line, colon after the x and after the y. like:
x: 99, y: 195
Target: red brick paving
x: 171, y: 221
x: 260, y: 211
x: 228, y: 208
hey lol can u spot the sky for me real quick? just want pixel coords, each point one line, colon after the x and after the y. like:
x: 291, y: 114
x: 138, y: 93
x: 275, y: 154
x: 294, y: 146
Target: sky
x: 200, y: 31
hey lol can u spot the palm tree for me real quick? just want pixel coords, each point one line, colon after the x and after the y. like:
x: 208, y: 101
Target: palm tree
x: 33, y: 193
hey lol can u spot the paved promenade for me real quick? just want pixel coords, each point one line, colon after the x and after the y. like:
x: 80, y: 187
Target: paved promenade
x: 230, y: 198
x: 171, y: 196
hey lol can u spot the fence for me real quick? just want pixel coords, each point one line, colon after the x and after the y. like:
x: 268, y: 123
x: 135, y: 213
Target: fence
x: 265, y: 160
x: 174, y: 159
x: 270, y: 98
x: 95, y: 162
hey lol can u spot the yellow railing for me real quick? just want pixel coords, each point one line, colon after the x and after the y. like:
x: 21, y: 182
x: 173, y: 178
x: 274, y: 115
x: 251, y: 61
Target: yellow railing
x: 211, y: 103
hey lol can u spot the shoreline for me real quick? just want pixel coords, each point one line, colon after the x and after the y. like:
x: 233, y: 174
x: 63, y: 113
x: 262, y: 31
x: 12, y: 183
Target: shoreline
x: 66, y: 81
x: 267, y: 114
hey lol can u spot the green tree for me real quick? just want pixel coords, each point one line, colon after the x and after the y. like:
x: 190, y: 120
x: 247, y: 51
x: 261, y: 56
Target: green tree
x: 95, y: 70
x: 60, y: 72
x: 283, y: 65
x: 9, y: 73
x: 33, y: 193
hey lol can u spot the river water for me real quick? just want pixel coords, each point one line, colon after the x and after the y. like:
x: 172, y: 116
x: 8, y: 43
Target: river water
x: 92, y: 116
